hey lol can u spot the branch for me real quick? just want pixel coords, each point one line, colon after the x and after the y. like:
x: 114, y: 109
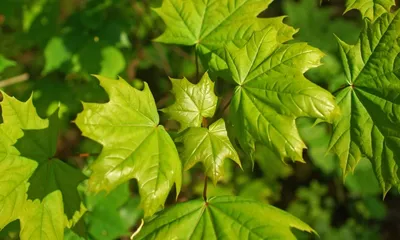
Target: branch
x: 14, y: 80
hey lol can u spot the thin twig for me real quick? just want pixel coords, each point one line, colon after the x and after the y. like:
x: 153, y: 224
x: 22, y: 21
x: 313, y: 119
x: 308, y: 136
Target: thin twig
x: 340, y: 88
x: 14, y: 80
x: 205, y: 188
x: 197, y: 66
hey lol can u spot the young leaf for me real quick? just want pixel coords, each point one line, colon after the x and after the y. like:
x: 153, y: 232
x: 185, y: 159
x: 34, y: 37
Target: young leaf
x: 272, y: 92
x: 192, y: 101
x: 212, y: 24
x: 134, y: 145
x: 5, y: 63
x: 210, y: 146
x: 43, y: 220
x: 369, y: 124
x: 371, y: 9
x: 222, y: 218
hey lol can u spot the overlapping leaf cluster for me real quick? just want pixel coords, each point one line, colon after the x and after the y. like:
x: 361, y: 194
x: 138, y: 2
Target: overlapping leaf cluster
x: 270, y: 93
x: 32, y: 181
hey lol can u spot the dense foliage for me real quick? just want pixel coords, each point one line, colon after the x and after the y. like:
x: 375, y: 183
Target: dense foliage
x: 300, y: 112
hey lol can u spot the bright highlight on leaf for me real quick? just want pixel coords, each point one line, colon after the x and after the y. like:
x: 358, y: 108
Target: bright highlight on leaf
x: 369, y: 124
x: 192, y: 101
x: 210, y: 146
x: 134, y: 145
x: 222, y: 218
x: 272, y: 92
x: 371, y: 9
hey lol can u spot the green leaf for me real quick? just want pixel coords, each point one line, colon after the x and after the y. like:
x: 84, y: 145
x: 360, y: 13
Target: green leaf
x: 210, y: 25
x: 14, y: 174
x: 20, y: 115
x: 272, y: 92
x: 371, y: 9
x: 113, y: 62
x: 28, y: 163
x: 210, y: 146
x: 52, y: 174
x: 104, y: 217
x: 222, y: 218
x: 5, y: 63
x: 369, y: 124
x: 44, y: 220
x: 14, y: 169
x: 134, y: 145
x: 193, y: 102
x: 318, y: 25
x: 56, y: 54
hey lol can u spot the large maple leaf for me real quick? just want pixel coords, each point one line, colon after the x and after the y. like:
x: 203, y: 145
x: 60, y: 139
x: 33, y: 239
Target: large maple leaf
x: 223, y: 217
x: 272, y: 92
x: 369, y: 125
x: 134, y: 144
x: 211, y: 24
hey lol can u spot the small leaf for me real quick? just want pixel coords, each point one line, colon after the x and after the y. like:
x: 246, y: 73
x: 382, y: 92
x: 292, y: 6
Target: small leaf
x: 210, y: 146
x: 5, y: 63
x: 222, y: 218
x: 371, y: 9
x: 134, y: 145
x: 370, y: 121
x: 192, y: 101
x: 43, y: 220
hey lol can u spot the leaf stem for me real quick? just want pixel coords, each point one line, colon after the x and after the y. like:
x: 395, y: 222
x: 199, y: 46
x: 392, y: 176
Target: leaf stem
x: 14, y: 80
x: 340, y: 88
x: 205, y: 188
x: 197, y: 66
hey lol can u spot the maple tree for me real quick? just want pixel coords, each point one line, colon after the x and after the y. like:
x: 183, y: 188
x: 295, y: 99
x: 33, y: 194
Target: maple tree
x: 265, y: 69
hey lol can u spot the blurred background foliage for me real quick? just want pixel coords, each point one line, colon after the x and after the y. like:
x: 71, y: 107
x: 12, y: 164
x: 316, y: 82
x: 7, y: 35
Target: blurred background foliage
x: 50, y: 48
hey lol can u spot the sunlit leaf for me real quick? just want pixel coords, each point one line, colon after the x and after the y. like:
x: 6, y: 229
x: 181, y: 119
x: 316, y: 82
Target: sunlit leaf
x: 134, y: 144
x: 222, y: 218
x: 369, y: 125
x: 210, y: 146
x: 193, y: 102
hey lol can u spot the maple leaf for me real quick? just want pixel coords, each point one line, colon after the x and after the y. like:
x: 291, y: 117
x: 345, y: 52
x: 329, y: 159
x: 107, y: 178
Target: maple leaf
x: 24, y: 177
x: 193, y: 102
x: 14, y: 169
x: 224, y: 217
x: 210, y: 146
x: 134, y: 145
x: 43, y: 220
x: 272, y: 92
x: 370, y: 105
x: 52, y: 174
x: 371, y: 9
x: 211, y: 24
